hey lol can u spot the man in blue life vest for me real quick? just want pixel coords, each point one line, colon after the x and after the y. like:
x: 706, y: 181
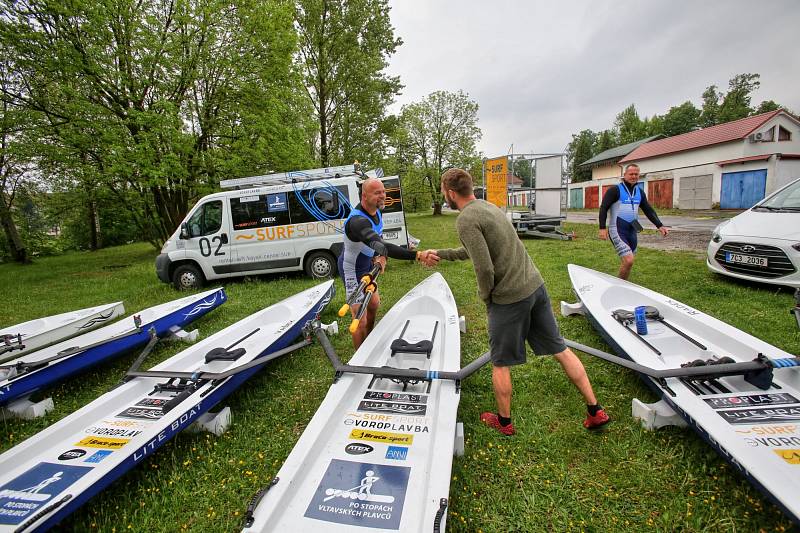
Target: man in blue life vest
x: 364, y: 246
x: 624, y: 202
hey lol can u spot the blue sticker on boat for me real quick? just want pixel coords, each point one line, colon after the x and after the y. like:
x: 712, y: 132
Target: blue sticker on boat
x: 397, y: 453
x: 360, y: 494
x: 23, y: 496
x: 98, y: 456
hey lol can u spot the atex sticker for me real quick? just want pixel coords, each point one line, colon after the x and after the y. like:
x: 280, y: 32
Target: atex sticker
x: 358, y: 448
x: 395, y: 397
x: 71, y: 454
x: 103, y: 442
x: 382, y: 436
x: 23, y: 496
x: 98, y: 456
x: 751, y: 400
x: 360, y: 494
x: 763, y: 415
x: 391, y: 407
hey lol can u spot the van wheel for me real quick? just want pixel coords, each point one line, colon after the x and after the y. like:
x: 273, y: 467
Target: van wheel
x: 187, y: 277
x: 320, y: 265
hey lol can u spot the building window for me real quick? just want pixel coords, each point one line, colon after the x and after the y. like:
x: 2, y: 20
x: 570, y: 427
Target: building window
x: 784, y: 134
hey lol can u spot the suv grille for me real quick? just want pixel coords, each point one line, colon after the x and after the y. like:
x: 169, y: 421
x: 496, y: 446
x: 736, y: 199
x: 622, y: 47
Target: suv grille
x: 777, y: 263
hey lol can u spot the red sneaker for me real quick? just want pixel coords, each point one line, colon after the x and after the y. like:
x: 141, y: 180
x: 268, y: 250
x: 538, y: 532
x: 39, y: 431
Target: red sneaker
x: 600, y: 419
x: 491, y: 420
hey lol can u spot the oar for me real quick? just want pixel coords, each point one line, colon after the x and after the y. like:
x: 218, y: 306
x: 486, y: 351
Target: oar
x: 366, y: 279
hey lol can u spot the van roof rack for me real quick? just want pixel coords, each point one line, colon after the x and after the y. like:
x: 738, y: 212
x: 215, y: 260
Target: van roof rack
x: 296, y: 176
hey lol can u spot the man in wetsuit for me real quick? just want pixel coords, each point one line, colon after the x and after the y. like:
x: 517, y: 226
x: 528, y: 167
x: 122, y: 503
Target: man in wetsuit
x: 624, y: 202
x: 363, y: 247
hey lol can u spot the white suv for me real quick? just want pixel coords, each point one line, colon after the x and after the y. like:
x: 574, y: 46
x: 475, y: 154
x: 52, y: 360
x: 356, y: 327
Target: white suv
x: 763, y: 243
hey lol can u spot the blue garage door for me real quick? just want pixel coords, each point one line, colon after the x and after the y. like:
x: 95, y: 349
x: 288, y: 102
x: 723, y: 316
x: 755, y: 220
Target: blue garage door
x: 741, y: 190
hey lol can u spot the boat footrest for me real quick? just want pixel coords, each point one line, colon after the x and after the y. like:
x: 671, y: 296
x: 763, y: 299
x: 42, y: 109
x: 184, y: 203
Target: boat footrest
x: 25, y: 409
x: 403, y: 346
x: 223, y: 354
x: 656, y: 415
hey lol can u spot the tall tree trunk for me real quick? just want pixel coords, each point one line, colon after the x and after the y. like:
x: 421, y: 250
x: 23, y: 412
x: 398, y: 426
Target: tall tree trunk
x: 18, y: 250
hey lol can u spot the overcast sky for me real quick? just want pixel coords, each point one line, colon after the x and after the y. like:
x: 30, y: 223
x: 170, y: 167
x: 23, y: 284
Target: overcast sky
x: 543, y: 70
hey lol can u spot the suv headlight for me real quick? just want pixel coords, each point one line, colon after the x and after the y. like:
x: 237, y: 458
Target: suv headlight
x: 796, y: 246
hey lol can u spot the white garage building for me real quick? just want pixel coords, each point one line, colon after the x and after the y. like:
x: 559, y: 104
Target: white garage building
x: 731, y: 165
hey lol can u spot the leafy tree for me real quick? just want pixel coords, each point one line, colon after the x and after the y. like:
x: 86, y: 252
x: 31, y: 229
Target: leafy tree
x: 440, y: 132
x: 523, y: 169
x: 681, y: 119
x: 155, y: 101
x: 766, y: 106
x: 605, y: 140
x: 736, y: 102
x: 344, y: 49
x: 629, y: 126
x: 579, y: 151
x: 14, y: 163
x: 709, y: 114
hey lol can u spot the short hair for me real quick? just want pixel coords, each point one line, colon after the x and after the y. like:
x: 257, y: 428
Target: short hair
x: 458, y: 180
x: 629, y: 165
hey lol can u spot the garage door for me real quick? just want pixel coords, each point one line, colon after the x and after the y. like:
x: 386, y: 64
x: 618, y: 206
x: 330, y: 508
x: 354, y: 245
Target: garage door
x: 591, y: 200
x: 695, y: 192
x: 576, y: 198
x: 741, y: 190
x: 659, y: 193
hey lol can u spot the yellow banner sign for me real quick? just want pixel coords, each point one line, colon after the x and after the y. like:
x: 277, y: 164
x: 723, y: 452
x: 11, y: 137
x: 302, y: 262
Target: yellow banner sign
x: 496, y: 172
x: 102, y: 442
x: 382, y: 436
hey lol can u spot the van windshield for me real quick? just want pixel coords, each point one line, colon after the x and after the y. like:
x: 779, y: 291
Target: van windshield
x: 786, y: 200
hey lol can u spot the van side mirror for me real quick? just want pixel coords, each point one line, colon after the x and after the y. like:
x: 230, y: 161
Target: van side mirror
x: 184, y: 231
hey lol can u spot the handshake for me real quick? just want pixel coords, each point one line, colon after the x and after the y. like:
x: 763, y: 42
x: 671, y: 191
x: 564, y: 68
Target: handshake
x: 429, y: 258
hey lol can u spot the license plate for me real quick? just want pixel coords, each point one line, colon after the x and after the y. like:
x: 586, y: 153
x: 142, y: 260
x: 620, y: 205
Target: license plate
x: 391, y: 235
x: 745, y: 259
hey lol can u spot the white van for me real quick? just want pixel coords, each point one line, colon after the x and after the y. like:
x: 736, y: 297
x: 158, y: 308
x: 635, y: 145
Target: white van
x: 276, y: 223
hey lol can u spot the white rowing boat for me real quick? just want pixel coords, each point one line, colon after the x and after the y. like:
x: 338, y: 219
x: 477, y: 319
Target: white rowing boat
x: 34, y: 334
x: 48, y: 476
x: 378, y: 452
x: 741, y: 394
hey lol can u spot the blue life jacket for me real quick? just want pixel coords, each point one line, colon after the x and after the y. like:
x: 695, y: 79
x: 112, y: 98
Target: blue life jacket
x: 629, y: 204
x: 352, y: 246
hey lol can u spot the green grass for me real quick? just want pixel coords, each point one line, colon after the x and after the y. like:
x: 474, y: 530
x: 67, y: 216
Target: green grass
x: 552, y: 476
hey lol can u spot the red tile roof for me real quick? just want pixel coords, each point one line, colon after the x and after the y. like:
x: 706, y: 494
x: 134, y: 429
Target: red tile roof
x: 721, y: 133
x: 763, y: 157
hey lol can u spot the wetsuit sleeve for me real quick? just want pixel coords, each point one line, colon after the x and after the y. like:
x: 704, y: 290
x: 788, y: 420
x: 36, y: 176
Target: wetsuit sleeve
x: 649, y: 212
x: 360, y: 229
x: 398, y: 252
x: 611, y: 196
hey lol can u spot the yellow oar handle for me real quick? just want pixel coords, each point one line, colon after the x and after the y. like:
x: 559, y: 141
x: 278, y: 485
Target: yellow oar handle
x: 354, y: 325
x: 344, y: 309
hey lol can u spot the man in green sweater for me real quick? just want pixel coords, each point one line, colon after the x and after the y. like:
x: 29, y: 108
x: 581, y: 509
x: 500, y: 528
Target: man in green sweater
x: 516, y: 300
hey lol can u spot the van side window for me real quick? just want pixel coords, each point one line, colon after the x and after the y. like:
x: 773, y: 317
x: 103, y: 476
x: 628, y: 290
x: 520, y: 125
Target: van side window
x: 317, y: 204
x: 206, y: 220
x: 259, y: 211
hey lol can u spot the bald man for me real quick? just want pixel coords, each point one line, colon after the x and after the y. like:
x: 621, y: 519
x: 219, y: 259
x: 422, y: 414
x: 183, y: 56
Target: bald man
x: 364, y: 246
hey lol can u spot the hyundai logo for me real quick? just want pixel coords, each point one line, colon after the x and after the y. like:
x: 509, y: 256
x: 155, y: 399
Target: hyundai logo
x: 748, y: 249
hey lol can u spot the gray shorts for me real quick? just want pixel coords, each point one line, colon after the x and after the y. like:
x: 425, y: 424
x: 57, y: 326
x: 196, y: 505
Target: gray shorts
x: 530, y: 320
